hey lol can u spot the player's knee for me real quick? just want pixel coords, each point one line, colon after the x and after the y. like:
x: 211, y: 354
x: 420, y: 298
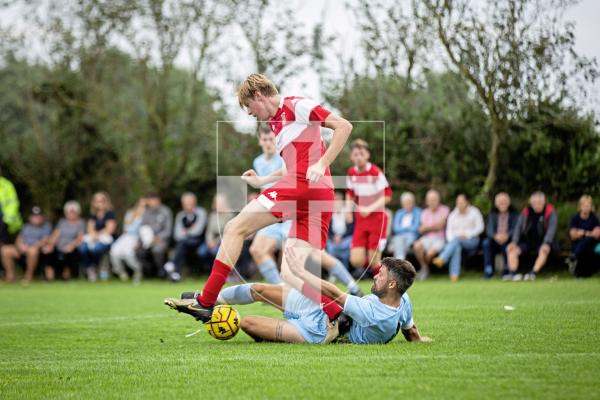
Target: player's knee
x: 236, y: 227
x: 257, y: 289
x: 256, y: 251
x: 248, y: 324
x: 418, y: 246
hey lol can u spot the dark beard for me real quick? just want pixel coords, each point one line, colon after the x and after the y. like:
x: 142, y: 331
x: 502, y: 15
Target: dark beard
x: 379, y: 293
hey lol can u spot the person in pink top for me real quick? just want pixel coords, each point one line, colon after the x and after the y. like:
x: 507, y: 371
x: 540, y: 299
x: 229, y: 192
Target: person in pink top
x: 432, y: 230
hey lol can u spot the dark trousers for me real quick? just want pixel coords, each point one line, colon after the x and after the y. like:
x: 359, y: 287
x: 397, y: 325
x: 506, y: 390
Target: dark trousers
x: 183, y: 248
x: 490, y: 249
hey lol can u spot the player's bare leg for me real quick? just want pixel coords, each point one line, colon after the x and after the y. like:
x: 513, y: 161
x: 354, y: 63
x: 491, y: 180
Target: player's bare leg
x: 336, y: 269
x: 358, y: 257
x: 374, y: 257
x: 420, y: 255
x: 253, y: 217
x: 270, y: 329
x: 274, y: 295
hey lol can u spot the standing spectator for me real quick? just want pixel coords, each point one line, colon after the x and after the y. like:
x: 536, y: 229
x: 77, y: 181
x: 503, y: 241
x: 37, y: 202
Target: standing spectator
x: 189, y: 227
x: 63, y: 243
x: 500, y: 227
x: 100, y: 229
x: 433, y: 225
x: 155, y: 233
x: 584, y: 231
x: 406, y: 225
x: 340, y: 232
x: 10, y: 218
x: 533, y: 235
x: 28, y: 247
x: 465, y: 224
x: 123, y: 250
x: 217, y: 219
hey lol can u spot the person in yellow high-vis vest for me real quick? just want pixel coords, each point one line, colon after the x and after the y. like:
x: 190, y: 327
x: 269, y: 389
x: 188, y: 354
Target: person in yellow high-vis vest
x: 9, y: 208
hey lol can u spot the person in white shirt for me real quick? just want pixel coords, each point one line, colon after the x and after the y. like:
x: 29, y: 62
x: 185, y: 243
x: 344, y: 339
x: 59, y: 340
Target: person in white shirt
x: 465, y: 224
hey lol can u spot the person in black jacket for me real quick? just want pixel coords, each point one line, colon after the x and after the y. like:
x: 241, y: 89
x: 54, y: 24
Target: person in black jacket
x: 500, y: 226
x: 534, y: 234
x: 584, y: 232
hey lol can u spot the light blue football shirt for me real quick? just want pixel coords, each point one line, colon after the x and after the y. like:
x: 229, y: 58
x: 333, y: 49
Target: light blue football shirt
x: 375, y: 322
x: 264, y: 167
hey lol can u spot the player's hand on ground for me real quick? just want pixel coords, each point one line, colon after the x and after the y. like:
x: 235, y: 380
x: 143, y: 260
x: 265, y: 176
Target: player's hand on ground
x: 252, y: 178
x: 315, y: 172
x: 425, y: 339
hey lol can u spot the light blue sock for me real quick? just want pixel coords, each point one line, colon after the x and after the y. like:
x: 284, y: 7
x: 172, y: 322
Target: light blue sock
x: 343, y: 275
x: 269, y: 271
x: 239, y: 294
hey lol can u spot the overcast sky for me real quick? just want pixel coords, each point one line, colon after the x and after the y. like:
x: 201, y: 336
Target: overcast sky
x: 340, y: 22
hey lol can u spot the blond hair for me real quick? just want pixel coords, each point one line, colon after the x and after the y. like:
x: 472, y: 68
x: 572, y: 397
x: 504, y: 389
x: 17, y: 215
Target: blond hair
x: 585, y: 197
x: 109, y: 206
x: 252, y: 84
x: 359, y: 144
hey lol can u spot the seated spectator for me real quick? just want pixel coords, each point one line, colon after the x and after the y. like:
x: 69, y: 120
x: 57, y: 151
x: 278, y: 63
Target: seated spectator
x: 432, y: 229
x: 500, y: 227
x: 584, y: 231
x: 28, y: 247
x: 340, y: 231
x: 96, y: 243
x: 465, y: 224
x: 63, y: 243
x: 123, y: 250
x: 155, y: 234
x: 533, y: 235
x: 217, y: 219
x: 405, y: 228
x: 189, y: 227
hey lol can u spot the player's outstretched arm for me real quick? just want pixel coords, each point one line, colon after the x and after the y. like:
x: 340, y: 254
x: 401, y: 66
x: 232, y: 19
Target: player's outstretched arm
x: 252, y: 178
x: 328, y: 289
x: 412, y: 334
x: 341, y: 133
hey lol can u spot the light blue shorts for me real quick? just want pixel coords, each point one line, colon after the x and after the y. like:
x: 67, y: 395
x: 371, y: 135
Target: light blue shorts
x: 279, y: 231
x: 306, y: 316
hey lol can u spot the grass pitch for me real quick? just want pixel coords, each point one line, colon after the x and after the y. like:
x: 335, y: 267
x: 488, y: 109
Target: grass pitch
x: 80, y: 340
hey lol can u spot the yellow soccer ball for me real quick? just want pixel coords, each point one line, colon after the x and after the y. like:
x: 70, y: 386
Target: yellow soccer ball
x: 224, y: 323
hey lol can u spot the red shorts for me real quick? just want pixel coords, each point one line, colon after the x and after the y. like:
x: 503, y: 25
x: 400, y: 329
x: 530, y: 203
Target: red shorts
x: 370, y: 232
x: 308, y: 207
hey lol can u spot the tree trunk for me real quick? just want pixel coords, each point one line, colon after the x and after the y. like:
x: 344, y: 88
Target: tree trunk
x: 490, y: 180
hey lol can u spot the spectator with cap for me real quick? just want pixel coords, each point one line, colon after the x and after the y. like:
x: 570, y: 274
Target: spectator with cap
x: 28, y: 247
x: 101, y: 227
x: 533, y: 236
x: 65, y: 240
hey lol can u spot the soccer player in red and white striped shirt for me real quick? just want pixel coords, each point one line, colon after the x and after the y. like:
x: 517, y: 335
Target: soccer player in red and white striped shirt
x: 303, y: 191
x: 369, y: 190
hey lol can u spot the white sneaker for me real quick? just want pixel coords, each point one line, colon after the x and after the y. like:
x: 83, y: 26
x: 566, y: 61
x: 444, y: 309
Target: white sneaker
x: 169, y: 267
x: 517, y: 277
